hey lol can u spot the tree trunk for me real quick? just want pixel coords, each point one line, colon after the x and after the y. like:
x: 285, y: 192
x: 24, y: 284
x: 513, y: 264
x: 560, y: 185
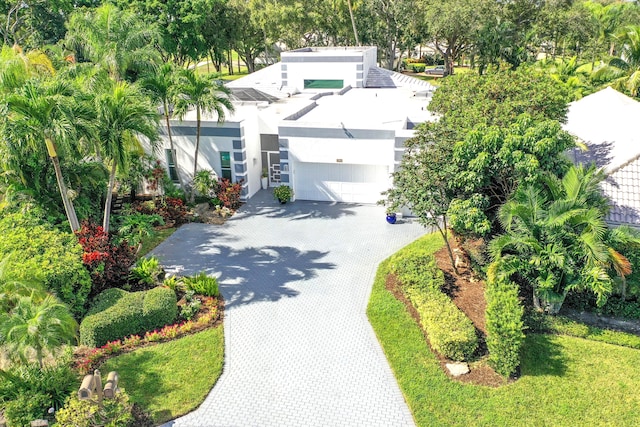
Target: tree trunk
x: 192, y: 197
x: 173, y: 152
x: 107, y: 203
x: 353, y: 23
x: 68, y: 204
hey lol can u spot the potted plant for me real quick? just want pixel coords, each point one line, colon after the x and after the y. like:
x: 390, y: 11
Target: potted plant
x: 391, y: 217
x: 265, y: 179
x: 283, y: 193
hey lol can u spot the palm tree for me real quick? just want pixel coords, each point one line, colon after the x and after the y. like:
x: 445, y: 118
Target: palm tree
x: 123, y: 112
x: 118, y: 41
x: 624, y: 70
x: 207, y: 95
x: 16, y: 67
x: 46, y: 114
x: 555, y: 239
x: 36, y: 325
x: 160, y: 84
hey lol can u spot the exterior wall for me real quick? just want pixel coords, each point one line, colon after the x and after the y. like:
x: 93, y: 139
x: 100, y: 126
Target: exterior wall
x: 251, y: 139
x: 349, y: 65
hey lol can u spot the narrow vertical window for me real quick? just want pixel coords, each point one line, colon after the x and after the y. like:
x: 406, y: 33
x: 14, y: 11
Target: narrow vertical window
x: 225, y: 164
x: 171, y: 165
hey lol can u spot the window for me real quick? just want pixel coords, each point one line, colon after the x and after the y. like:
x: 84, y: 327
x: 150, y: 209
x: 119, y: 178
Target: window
x: 225, y: 164
x: 171, y: 165
x: 323, y: 84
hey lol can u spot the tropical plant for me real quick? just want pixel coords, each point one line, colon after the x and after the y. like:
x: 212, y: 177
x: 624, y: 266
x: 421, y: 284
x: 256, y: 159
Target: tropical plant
x: 123, y: 113
x: 135, y: 227
x: 36, y: 327
x: 555, y: 239
x: 147, y: 271
x: 207, y: 95
x: 45, y: 114
x: 202, y: 284
x: 283, y: 193
x: 624, y: 70
x: 205, y: 183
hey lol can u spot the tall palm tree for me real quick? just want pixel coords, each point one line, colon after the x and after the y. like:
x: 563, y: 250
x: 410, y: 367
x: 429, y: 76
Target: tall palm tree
x: 36, y: 325
x: 624, y: 71
x: 556, y: 239
x: 46, y: 114
x: 160, y: 84
x: 116, y: 40
x: 206, y: 94
x: 123, y: 112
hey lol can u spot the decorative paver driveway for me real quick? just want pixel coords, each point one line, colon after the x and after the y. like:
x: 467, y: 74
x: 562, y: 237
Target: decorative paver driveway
x: 299, y: 348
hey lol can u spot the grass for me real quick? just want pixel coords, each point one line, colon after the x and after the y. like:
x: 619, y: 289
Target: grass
x: 152, y: 241
x: 565, y: 381
x: 173, y: 378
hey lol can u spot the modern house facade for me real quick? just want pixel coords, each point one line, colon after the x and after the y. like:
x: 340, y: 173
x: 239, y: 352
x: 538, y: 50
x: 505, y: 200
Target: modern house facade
x: 606, y: 123
x: 326, y: 121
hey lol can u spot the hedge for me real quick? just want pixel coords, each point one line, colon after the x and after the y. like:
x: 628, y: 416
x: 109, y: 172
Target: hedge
x: 38, y: 252
x: 504, y: 326
x: 451, y: 333
x: 117, y: 313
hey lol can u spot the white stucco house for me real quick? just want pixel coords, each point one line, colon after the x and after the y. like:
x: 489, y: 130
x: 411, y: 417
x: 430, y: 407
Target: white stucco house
x: 326, y: 121
x: 606, y: 122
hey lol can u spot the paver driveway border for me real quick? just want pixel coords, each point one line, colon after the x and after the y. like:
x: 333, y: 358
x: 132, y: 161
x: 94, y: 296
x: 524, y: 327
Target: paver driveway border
x: 296, y: 279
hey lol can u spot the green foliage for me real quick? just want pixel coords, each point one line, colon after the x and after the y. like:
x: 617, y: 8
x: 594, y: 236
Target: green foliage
x: 283, y: 193
x: 205, y: 183
x: 37, y: 252
x: 191, y: 306
x: 56, y: 382
x: 450, y: 332
x: 115, y: 412
x: 147, y: 272
x: 467, y: 216
x: 117, y: 313
x: 25, y: 408
x: 418, y: 68
x: 136, y: 227
x: 202, y: 284
x: 504, y: 326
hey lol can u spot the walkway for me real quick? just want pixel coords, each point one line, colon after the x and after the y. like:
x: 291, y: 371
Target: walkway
x: 299, y: 348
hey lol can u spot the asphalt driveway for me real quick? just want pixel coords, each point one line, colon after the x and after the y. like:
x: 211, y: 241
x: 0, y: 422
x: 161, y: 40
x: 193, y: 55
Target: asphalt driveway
x: 296, y: 279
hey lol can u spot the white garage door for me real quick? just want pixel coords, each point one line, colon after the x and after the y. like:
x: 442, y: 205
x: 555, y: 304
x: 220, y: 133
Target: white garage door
x: 340, y: 182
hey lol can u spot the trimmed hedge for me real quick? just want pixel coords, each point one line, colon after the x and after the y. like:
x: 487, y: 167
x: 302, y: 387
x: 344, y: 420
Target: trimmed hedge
x: 38, y: 252
x: 451, y: 333
x: 117, y: 313
x: 504, y: 326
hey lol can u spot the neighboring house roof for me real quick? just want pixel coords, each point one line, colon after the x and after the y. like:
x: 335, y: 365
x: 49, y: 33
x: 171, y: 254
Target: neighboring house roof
x: 607, y: 123
x: 383, y: 78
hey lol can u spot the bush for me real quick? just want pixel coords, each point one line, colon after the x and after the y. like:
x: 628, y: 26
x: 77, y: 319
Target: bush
x: 229, y: 194
x: 117, y: 313
x: 450, y: 331
x: 504, y: 326
x: 25, y: 408
x: 107, y: 262
x: 147, y: 272
x: 418, y: 68
x: 417, y: 269
x: 117, y: 412
x: 40, y: 253
x: 202, y: 284
x: 54, y: 382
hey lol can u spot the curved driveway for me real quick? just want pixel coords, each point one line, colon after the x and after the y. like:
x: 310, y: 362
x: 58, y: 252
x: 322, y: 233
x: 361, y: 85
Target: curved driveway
x: 299, y: 348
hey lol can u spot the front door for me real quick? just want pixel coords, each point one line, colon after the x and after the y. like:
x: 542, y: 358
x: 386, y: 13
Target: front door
x: 273, y: 159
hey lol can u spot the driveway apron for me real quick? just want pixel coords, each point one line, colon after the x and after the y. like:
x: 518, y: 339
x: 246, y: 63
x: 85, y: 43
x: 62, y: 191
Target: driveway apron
x: 296, y: 279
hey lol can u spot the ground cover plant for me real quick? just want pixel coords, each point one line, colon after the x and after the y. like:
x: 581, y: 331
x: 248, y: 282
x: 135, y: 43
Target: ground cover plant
x: 563, y: 380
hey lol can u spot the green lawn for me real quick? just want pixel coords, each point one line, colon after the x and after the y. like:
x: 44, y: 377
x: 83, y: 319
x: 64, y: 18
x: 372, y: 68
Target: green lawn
x: 151, y: 242
x: 565, y: 381
x: 173, y: 378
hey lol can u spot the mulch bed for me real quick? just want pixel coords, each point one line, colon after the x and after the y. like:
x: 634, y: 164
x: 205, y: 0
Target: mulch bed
x: 467, y: 293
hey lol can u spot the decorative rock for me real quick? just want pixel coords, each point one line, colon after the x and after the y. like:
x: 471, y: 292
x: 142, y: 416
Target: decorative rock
x: 457, y: 369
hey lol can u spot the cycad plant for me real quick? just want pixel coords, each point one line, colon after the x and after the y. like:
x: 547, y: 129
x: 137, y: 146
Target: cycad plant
x: 556, y: 239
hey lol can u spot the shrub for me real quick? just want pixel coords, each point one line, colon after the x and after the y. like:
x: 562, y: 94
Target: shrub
x: 54, y: 382
x: 450, y: 331
x: 107, y: 262
x: 25, y: 408
x: 417, y: 268
x: 229, y: 194
x: 117, y: 313
x: 202, y: 284
x: 418, y: 68
x: 147, y: 272
x: 191, y: 306
x: 116, y: 412
x: 40, y: 253
x: 504, y: 326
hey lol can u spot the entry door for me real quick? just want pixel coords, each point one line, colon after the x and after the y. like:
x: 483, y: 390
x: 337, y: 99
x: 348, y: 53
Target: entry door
x: 273, y: 158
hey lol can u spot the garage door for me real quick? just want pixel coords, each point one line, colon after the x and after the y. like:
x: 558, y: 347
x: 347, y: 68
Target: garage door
x: 340, y: 182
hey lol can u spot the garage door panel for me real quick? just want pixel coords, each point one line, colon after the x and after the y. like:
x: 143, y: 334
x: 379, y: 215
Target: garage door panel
x: 341, y: 182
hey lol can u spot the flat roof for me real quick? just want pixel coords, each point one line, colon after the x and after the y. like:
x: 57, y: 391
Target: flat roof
x: 371, y: 108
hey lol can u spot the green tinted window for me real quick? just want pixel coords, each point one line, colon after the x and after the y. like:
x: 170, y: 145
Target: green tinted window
x: 323, y: 84
x: 225, y: 159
